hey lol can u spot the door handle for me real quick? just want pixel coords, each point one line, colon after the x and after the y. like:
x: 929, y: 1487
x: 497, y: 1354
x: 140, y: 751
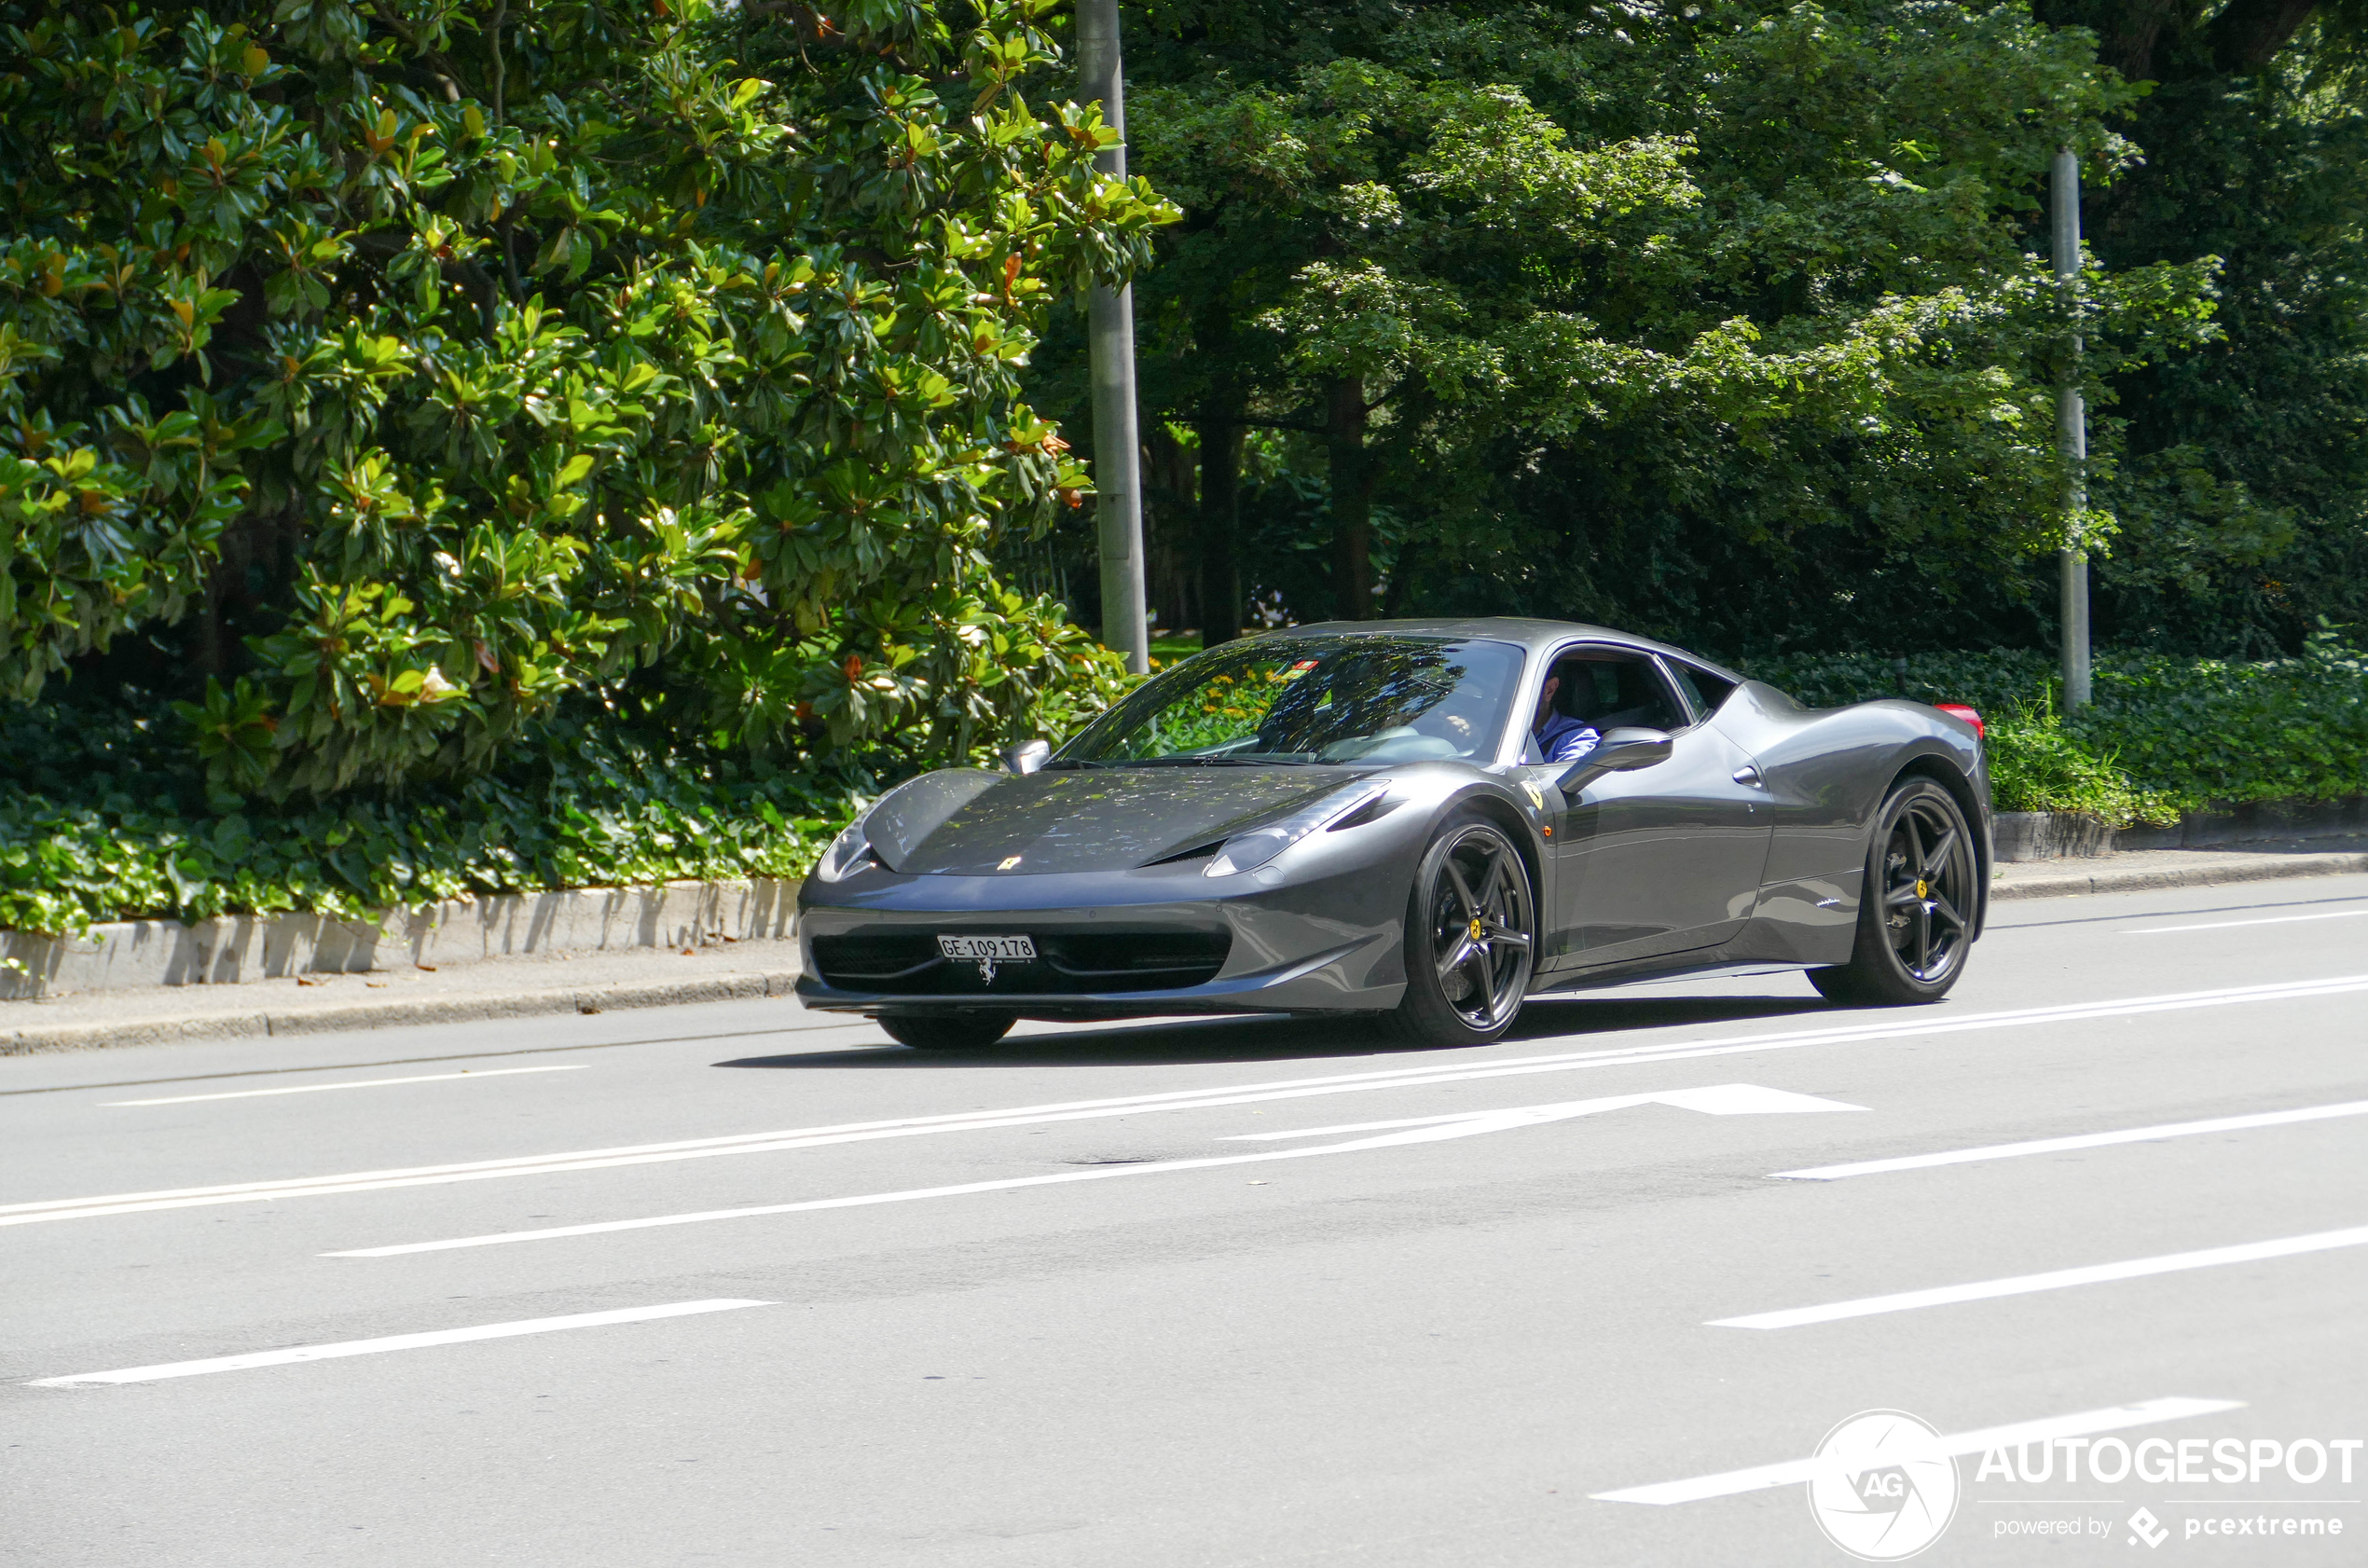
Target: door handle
x: 1748, y: 775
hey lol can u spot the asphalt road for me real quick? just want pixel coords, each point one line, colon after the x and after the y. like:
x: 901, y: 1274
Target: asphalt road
x: 1221, y: 1293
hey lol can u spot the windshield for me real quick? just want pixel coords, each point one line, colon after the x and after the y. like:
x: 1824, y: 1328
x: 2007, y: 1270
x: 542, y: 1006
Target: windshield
x: 1370, y: 697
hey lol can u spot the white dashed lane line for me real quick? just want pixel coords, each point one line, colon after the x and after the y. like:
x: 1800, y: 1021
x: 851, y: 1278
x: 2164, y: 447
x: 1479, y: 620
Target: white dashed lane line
x: 352, y: 1083
x: 2083, y: 1140
x: 2231, y: 925
x: 390, y: 1342
x: 1791, y: 1472
x: 2058, y: 1279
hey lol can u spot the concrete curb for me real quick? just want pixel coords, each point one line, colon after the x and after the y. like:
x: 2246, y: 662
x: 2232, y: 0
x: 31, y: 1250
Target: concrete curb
x: 2138, y: 880
x: 393, y: 1012
x: 137, y: 955
x: 2021, y: 836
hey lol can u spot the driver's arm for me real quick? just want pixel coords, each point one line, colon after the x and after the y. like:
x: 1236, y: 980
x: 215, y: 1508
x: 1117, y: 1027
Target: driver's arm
x: 1565, y: 739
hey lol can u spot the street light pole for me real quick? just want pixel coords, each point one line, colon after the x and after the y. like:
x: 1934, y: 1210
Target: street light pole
x: 2071, y: 443
x: 1117, y: 505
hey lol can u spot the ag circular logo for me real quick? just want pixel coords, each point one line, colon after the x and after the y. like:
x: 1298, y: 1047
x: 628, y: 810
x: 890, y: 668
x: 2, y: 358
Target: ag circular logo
x: 1882, y: 1490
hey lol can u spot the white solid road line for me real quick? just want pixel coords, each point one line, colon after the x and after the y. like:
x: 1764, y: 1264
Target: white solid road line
x: 1760, y: 1477
x: 2225, y: 925
x: 393, y: 1342
x: 2058, y: 1279
x: 2084, y: 1140
x: 1922, y: 1024
x: 1727, y: 1099
x: 353, y: 1083
x: 1721, y: 1099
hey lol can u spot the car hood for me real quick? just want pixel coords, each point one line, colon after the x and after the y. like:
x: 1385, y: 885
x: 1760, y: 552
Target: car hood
x: 1103, y: 818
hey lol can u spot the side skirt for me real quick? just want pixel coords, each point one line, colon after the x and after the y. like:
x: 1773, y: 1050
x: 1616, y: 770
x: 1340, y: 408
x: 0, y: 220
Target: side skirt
x: 1667, y: 966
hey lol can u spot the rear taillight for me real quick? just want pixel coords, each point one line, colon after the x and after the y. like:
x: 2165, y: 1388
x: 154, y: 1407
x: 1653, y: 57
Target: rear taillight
x: 1958, y: 711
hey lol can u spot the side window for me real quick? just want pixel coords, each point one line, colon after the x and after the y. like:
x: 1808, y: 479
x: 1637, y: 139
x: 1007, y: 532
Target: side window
x: 1706, y: 690
x: 1609, y: 690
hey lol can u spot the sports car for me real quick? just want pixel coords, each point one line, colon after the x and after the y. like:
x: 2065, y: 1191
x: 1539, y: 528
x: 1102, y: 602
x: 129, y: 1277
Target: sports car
x: 1356, y: 818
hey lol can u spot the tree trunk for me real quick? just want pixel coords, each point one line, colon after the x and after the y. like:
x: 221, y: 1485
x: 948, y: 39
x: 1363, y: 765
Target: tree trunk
x: 1221, y: 517
x: 2247, y: 33
x: 1352, y: 500
x: 209, y: 656
x: 2146, y: 39
x: 1168, y: 507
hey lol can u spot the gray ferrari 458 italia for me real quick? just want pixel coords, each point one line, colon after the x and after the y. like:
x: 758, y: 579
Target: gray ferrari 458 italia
x: 1357, y: 819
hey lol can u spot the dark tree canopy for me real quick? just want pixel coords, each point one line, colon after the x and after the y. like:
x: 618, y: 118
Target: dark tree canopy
x: 1736, y: 323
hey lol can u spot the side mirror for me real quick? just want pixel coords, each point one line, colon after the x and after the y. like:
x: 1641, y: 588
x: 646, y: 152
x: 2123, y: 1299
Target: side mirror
x: 1620, y: 750
x: 1025, y: 757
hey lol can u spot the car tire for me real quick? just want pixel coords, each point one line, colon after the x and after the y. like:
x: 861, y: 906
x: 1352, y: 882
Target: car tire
x: 1471, y: 937
x: 1916, y: 907
x: 946, y: 1031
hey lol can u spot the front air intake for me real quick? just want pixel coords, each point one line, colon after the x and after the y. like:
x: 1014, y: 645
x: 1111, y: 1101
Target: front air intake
x: 906, y: 963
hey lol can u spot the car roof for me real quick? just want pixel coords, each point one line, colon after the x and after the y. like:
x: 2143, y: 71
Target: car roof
x: 1529, y: 632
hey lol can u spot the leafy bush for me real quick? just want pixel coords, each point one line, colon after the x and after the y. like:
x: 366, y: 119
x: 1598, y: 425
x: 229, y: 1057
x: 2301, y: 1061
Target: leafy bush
x: 2164, y: 736
x: 104, y: 815
x: 2036, y: 764
x: 384, y: 374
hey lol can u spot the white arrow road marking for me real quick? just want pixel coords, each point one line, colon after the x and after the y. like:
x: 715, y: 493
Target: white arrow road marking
x: 1759, y: 1479
x: 1923, y: 1026
x: 1721, y: 1099
x: 2058, y: 1279
x: 1727, y: 1099
x: 2083, y: 1140
x: 392, y: 1342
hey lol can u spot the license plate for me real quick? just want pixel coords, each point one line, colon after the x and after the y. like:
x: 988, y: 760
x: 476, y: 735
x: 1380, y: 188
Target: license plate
x: 1002, y: 950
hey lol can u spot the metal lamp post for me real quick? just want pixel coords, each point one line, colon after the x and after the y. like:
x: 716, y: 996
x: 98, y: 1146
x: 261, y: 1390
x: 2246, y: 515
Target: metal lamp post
x: 2072, y: 441
x: 1117, y: 466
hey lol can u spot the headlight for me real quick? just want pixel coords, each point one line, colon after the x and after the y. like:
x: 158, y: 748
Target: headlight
x: 1250, y: 850
x: 848, y: 853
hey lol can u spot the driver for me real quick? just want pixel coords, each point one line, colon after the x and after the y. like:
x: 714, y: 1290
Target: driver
x: 1561, y: 739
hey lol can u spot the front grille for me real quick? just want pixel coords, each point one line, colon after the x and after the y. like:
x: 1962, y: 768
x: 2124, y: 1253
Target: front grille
x: 906, y: 963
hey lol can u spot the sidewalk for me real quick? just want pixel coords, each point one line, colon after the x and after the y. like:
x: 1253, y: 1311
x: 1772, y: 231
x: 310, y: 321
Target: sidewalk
x: 320, y: 1004
x: 605, y: 981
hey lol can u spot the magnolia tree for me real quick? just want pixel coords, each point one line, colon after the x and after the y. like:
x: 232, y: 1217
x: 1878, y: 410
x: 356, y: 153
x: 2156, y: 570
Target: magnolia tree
x: 385, y: 375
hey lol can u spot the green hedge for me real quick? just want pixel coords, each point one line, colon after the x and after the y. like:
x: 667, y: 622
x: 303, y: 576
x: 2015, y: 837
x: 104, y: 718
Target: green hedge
x: 2162, y: 736
x: 103, y: 817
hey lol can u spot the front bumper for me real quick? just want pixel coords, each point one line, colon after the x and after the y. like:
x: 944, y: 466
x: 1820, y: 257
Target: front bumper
x: 1294, y: 945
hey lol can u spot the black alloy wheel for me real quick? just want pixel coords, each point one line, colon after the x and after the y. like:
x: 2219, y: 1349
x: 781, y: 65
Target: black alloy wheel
x: 946, y: 1031
x: 1915, y: 918
x: 1471, y: 937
